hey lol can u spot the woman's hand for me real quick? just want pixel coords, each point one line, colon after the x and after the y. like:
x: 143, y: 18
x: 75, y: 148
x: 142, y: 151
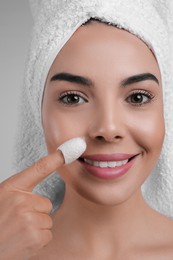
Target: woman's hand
x: 25, y: 224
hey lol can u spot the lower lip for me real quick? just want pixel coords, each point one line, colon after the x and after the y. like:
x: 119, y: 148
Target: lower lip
x: 109, y: 173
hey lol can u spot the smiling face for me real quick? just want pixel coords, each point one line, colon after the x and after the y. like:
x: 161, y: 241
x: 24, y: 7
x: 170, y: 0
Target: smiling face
x: 105, y: 85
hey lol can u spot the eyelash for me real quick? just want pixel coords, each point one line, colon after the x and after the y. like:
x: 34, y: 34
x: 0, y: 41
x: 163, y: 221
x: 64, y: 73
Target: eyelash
x: 142, y: 93
x: 70, y: 94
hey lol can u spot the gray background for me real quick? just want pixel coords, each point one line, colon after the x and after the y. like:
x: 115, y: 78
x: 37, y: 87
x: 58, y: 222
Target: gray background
x: 15, y: 30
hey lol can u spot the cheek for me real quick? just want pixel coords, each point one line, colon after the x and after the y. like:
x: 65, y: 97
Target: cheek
x: 60, y: 126
x: 150, y: 131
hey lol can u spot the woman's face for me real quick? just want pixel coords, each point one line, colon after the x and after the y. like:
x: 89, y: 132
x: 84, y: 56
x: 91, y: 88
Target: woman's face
x: 105, y: 85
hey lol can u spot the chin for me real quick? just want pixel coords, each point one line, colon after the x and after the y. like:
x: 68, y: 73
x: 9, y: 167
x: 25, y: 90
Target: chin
x: 104, y: 196
x: 104, y: 193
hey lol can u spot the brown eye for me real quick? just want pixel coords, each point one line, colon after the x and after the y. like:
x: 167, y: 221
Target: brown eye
x: 72, y: 99
x: 139, y: 98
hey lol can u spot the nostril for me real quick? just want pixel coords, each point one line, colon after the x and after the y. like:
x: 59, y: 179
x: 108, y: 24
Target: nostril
x: 100, y: 137
x: 118, y: 137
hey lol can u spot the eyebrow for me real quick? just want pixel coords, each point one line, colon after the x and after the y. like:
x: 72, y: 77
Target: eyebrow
x: 64, y: 76
x: 73, y: 79
x: 139, y: 78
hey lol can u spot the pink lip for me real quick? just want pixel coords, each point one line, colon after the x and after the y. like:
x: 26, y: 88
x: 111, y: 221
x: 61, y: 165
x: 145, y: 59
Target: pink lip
x: 109, y: 157
x: 109, y: 173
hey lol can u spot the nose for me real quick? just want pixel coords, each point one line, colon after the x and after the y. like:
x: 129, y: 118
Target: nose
x: 107, y: 125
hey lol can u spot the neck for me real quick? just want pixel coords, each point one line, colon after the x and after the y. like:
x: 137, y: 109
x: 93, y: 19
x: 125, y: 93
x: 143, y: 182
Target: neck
x: 93, y: 222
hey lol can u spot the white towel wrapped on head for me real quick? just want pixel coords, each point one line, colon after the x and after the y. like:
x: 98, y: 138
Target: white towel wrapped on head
x: 55, y: 22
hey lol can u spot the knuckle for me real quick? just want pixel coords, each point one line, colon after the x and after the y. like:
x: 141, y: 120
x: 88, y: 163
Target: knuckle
x: 47, y: 237
x: 48, y: 205
x: 22, y: 203
x: 42, y: 166
x: 34, y: 239
x: 28, y: 219
x: 42, y: 204
x: 26, y: 224
x: 40, y: 238
x: 49, y: 222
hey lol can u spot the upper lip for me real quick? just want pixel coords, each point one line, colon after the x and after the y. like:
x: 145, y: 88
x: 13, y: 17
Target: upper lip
x: 109, y: 157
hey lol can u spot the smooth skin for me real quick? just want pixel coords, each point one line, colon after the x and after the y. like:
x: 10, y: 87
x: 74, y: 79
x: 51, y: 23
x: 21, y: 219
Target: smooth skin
x: 25, y: 221
x: 99, y: 219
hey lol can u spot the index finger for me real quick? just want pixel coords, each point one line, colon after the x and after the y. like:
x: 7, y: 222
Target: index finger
x: 65, y: 154
x: 30, y: 177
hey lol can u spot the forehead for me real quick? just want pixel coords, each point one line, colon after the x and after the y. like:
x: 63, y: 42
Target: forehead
x: 98, y: 46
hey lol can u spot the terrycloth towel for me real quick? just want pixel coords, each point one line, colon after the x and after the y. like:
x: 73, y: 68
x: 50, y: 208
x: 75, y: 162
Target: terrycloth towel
x: 55, y: 22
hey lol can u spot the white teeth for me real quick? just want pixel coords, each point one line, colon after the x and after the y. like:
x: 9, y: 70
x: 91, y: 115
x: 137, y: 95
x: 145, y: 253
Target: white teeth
x: 112, y: 164
x: 88, y: 161
x: 95, y: 163
x: 119, y: 163
x: 103, y: 164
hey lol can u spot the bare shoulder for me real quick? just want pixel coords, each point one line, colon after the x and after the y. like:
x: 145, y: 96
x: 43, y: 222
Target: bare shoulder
x: 155, y: 243
x: 159, y: 244
x: 162, y: 228
x: 165, y: 227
